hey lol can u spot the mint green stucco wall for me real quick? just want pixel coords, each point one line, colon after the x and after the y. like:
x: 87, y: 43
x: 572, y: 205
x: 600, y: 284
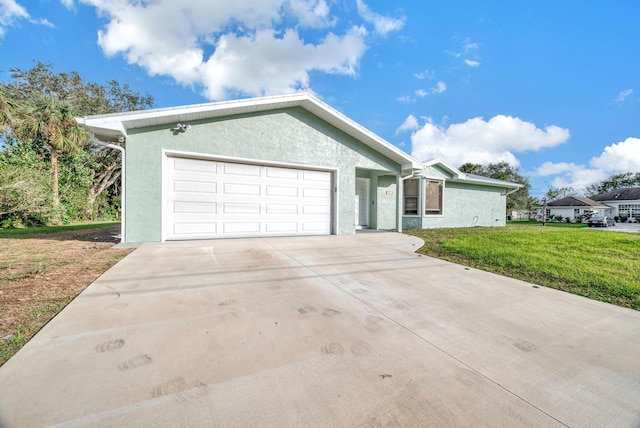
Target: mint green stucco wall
x: 465, y: 205
x: 290, y: 136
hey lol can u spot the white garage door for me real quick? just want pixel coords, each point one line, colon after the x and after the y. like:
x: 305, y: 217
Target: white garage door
x: 210, y: 199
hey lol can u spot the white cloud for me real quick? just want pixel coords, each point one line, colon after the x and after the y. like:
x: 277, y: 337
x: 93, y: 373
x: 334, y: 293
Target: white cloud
x: 615, y: 159
x: 246, y: 62
x: 623, y: 95
x: 404, y: 99
x: 427, y: 74
x: 382, y: 24
x: 467, y: 46
x: 11, y: 12
x: 480, y: 141
x: 409, y: 124
x: 244, y: 47
x: 471, y: 63
x: 439, y: 88
x: 621, y: 157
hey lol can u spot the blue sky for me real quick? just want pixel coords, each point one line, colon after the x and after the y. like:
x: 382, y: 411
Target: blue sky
x: 551, y: 87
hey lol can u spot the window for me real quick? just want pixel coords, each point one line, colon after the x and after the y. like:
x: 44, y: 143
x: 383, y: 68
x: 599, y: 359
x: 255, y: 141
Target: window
x: 433, y: 197
x: 411, y: 192
x: 547, y: 213
x: 576, y: 212
x: 629, y: 210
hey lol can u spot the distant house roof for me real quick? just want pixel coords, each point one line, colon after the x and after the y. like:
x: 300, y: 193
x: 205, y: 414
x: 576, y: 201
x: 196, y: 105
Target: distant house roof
x: 629, y: 194
x: 574, y: 201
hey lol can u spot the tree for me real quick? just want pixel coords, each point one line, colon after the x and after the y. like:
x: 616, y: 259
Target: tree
x: 519, y: 200
x: 87, y: 98
x: 7, y: 107
x: 616, y: 181
x: 555, y: 193
x: 49, y: 121
x: 25, y: 192
x: 100, y: 168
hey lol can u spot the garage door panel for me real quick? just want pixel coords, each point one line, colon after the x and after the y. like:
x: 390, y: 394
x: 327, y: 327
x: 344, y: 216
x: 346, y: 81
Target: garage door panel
x: 186, y: 230
x: 241, y: 227
x: 288, y: 174
x: 274, y: 190
x: 195, y: 186
x: 280, y: 227
x: 240, y: 208
x: 317, y: 193
x: 320, y: 176
x: 194, y: 207
x: 210, y: 199
x: 319, y: 226
x: 241, y: 189
x: 315, y: 209
x: 281, y: 209
x: 241, y: 169
x: 194, y: 165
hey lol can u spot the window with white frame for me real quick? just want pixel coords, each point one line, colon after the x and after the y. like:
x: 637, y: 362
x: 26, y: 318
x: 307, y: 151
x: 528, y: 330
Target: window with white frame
x: 576, y: 212
x: 629, y: 210
x: 433, y: 190
x: 411, y: 194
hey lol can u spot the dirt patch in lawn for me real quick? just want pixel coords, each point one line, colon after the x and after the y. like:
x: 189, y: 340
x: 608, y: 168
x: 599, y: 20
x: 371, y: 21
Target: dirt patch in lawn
x: 40, y: 273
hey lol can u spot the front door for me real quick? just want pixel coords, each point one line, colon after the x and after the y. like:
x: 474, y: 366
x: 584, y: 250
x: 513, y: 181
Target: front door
x: 362, y: 203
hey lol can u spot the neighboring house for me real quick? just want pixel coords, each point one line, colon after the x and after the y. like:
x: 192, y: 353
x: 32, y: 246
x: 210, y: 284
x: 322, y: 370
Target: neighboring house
x: 572, y: 207
x: 442, y: 196
x: 277, y: 166
x: 624, y: 202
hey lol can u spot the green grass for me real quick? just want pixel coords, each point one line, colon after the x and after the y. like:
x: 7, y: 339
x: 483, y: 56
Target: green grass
x: 22, y: 332
x: 15, y: 233
x: 600, y: 265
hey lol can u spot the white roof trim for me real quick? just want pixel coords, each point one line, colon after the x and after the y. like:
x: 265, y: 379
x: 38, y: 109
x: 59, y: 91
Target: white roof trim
x: 109, y: 127
x: 460, y: 176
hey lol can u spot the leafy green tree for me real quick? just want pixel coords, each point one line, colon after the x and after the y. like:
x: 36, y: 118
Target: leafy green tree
x: 96, y: 167
x: 519, y: 200
x: 616, y: 181
x: 554, y: 193
x: 87, y: 98
x: 49, y: 121
x: 7, y: 107
x: 25, y: 191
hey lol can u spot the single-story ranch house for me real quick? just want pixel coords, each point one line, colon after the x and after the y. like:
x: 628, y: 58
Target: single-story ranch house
x: 573, y: 207
x: 279, y: 166
x: 624, y: 202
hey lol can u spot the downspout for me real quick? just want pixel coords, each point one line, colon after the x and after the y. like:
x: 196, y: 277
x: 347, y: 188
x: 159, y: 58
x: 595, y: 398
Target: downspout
x: 513, y: 191
x: 123, y: 229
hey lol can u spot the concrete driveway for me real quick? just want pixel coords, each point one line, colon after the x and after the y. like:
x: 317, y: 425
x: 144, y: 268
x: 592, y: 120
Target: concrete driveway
x: 323, y: 331
x: 620, y: 227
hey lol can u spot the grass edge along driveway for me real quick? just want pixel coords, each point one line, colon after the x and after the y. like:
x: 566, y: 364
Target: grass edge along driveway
x: 43, y: 269
x: 600, y: 266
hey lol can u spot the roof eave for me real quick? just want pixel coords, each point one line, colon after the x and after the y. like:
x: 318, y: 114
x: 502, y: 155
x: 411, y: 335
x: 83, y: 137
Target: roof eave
x: 111, y: 126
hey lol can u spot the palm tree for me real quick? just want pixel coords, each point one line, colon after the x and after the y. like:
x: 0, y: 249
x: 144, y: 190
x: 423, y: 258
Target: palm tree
x: 50, y: 121
x: 7, y: 107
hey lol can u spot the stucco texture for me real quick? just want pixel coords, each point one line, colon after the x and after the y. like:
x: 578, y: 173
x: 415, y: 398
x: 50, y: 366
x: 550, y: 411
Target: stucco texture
x: 290, y: 136
x: 464, y: 205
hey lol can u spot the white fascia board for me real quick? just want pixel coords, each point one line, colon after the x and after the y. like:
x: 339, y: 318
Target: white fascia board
x: 446, y: 165
x: 107, y: 129
x: 113, y: 125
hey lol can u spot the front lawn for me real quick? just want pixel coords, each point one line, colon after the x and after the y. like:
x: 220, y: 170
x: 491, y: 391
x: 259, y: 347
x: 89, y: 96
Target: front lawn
x: 601, y: 266
x: 43, y: 269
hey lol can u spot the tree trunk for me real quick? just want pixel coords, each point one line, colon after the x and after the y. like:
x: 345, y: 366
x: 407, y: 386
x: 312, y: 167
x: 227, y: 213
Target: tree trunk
x: 54, y: 178
x: 100, y: 183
